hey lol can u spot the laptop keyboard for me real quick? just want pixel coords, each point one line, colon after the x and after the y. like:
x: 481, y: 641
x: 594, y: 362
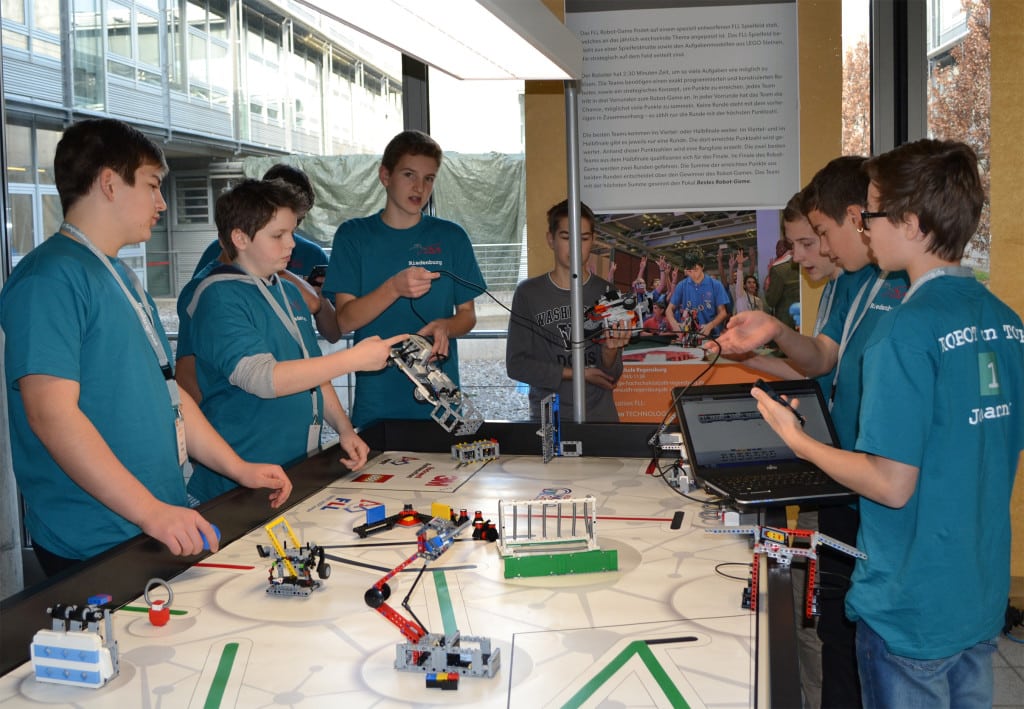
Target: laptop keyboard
x: 772, y: 481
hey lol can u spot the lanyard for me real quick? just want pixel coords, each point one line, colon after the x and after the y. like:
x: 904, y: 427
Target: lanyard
x: 853, y: 320
x: 828, y: 295
x: 955, y: 271
x: 288, y: 320
x: 140, y: 304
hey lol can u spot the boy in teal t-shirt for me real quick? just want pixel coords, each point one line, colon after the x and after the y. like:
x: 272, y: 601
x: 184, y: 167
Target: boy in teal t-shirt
x: 939, y: 439
x: 266, y: 387
x: 403, y: 271
x: 99, y: 428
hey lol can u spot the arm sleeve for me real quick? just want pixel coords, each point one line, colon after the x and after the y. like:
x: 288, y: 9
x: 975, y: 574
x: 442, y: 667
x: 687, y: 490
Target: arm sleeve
x: 55, y: 349
x: 255, y: 375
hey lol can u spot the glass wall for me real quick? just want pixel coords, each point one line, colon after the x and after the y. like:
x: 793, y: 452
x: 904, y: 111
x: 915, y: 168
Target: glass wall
x: 32, y: 26
x: 959, y: 95
x: 35, y: 207
x: 87, y: 51
x: 856, y: 78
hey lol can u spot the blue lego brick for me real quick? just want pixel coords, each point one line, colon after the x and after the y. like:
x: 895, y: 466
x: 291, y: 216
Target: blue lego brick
x: 375, y: 514
x: 86, y: 677
x: 65, y: 653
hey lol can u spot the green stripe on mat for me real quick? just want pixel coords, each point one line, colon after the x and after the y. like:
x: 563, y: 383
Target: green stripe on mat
x: 220, y: 679
x: 638, y: 647
x: 444, y: 599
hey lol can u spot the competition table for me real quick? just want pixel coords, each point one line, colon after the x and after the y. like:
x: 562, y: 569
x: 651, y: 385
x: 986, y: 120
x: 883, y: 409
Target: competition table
x: 664, y: 626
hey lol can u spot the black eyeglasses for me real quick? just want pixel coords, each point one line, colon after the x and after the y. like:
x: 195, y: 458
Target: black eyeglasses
x: 865, y: 216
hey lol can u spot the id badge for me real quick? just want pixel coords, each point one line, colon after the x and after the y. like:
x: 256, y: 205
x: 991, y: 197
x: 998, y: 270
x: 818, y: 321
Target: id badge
x: 313, y: 438
x: 179, y: 432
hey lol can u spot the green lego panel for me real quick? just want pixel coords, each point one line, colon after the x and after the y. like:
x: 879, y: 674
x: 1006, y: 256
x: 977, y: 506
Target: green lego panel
x: 580, y: 562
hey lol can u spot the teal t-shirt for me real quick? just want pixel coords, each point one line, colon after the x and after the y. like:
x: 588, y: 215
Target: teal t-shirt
x: 65, y: 316
x: 232, y: 320
x: 366, y: 253
x: 849, y: 382
x: 943, y: 387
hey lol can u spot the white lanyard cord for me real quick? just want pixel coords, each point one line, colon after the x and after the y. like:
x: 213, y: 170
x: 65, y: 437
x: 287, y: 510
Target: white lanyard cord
x: 853, y: 320
x: 140, y: 305
x: 288, y: 320
x: 828, y: 295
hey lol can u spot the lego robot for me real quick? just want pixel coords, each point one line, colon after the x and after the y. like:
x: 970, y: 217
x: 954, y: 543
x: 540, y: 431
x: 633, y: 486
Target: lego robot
x: 291, y: 573
x: 609, y: 310
x: 432, y: 652
x: 453, y: 410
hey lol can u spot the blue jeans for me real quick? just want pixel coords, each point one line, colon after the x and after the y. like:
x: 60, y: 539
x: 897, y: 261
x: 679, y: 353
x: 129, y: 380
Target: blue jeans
x: 962, y: 681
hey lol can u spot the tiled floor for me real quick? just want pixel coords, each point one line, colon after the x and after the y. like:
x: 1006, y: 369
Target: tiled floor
x: 1009, y: 671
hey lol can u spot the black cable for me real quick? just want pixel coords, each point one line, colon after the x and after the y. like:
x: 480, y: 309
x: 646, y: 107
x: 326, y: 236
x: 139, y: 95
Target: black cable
x: 732, y: 563
x: 528, y: 321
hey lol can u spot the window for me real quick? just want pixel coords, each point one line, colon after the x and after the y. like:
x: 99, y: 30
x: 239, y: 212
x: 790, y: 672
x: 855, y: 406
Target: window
x: 959, y: 95
x: 35, y: 208
x: 856, y: 78
x: 87, y: 50
x: 36, y: 31
x: 200, y: 56
x: 133, y: 43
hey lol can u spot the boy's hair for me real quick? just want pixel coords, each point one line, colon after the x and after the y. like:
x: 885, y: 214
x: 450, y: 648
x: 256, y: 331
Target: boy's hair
x: 250, y: 205
x: 91, y: 145
x: 794, y: 209
x: 938, y: 181
x: 295, y: 177
x: 693, y: 257
x: 410, y: 142
x: 561, y: 211
x: 841, y: 183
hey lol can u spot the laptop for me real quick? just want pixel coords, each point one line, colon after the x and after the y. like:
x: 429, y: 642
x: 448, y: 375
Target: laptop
x: 734, y: 453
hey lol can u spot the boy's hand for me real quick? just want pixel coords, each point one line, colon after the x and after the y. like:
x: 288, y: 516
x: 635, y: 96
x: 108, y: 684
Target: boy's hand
x: 747, y: 331
x: 776, y: 415
x: 618, y: 335
x: 179, y: 529
x: 356, y: 449
x: 373, y: 352
x: 599, y: 378
x: 414, y: 281
x: 265, y: 475
x: 437, y: 331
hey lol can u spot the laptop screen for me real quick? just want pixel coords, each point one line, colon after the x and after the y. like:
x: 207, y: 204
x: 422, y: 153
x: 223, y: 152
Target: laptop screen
x: 723, y: 428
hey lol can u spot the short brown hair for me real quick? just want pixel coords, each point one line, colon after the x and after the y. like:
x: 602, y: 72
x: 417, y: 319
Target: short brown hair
x: 561, y: 211
x: 936, y: 180
x: 410, y: 142
x: 250, y: 205
x: 838, y: 185
x: 91, y: 145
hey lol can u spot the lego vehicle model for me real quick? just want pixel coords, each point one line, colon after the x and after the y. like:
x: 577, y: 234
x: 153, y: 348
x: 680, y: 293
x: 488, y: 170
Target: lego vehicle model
x: 74, y: 651
x: 609, y: 310
x: 453, y: 410
x: 291, y: 573
x: 432, y: 652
